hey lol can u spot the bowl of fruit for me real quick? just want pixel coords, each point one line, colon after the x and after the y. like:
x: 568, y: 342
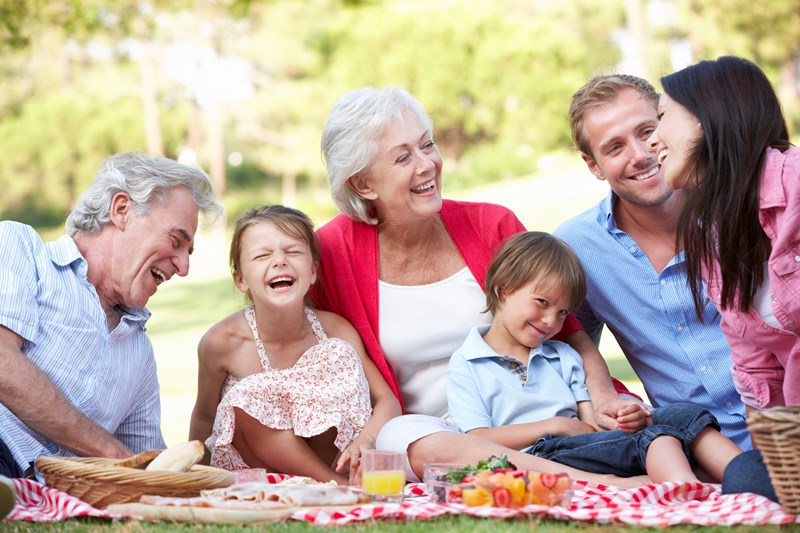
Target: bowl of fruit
x: 498, y: 483
x: 440, y: 477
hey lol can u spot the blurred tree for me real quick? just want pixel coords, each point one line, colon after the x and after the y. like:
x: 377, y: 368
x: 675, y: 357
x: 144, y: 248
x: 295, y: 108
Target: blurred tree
x: 767, y: 33
x: 499, y: 73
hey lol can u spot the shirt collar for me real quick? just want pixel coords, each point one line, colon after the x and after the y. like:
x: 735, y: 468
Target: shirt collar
x: 605, y: 212
x: 64, y: 252
x: 476, y: 348
x: 771, y: 193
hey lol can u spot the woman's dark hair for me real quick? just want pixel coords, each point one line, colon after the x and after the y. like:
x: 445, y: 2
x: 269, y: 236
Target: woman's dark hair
x: 741, y: 117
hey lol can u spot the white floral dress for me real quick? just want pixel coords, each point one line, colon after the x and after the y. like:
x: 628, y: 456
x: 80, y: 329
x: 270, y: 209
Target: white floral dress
x: 325, y: 388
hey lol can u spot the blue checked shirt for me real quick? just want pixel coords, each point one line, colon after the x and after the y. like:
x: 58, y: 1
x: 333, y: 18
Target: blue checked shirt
x: 108, y: 376
x: 652, y: 317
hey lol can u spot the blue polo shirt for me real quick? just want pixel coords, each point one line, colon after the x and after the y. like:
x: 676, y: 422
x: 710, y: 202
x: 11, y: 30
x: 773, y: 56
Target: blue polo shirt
x: 483, y: 393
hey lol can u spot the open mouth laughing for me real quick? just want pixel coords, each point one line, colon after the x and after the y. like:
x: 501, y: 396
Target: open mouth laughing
x: 424, y: 187
x: 281, y: 282
x: 159, y: 276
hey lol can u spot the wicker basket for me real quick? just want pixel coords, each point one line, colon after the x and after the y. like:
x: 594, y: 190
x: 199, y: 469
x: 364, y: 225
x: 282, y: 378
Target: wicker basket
x: 99, y: 482
x: 776, y: 433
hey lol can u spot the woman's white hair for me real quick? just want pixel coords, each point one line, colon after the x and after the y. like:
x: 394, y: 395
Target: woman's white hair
x: 145, y: 178
x: 350, y: 140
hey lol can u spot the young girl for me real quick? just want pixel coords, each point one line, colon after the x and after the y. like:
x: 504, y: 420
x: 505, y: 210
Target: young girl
x: 284, y: 387
x: 511, y: 384
x: 723, y: 138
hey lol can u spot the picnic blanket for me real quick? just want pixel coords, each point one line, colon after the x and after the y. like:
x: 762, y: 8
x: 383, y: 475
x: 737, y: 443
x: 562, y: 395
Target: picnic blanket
x: 655, y: 505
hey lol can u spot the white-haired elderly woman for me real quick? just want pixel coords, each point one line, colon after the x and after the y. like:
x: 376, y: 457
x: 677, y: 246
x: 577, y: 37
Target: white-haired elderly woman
x: 77, y: 371
x: 407, y: 268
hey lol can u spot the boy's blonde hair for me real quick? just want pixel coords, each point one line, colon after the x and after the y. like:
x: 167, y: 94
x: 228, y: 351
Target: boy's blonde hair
x: 534, y: 257
x: 292, y: 222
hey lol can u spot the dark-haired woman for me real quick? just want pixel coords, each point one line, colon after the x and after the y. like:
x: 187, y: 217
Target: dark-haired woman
x: 723, y: 138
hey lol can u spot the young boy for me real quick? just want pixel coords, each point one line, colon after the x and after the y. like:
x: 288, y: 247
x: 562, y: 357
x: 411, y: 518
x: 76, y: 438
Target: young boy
x: 509, y: 383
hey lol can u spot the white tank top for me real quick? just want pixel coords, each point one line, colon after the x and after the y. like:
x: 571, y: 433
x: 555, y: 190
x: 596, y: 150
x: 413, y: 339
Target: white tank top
x: 420, y: 327
x: 762, y: 302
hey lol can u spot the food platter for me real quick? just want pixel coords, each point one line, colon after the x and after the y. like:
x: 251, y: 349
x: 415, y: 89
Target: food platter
x: 200, y: 515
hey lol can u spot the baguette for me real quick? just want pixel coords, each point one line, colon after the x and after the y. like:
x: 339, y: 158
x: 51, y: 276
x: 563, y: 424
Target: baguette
x: 178, y: 458
x: 140, y: 460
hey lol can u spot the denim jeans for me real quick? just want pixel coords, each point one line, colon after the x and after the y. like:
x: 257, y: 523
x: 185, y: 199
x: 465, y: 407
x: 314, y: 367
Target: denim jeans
x: 8, y: 466
x: 748, y: 473
x: 625, y: 454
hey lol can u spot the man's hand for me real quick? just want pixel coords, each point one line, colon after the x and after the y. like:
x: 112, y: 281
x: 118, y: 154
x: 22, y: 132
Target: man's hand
x: 620, y: 413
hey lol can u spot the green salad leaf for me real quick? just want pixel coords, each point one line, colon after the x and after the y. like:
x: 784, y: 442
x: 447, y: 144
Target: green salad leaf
x: 493, y: 463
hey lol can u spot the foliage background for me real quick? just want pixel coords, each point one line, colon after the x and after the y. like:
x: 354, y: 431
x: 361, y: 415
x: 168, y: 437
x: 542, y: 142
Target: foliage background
x: 243, y: 87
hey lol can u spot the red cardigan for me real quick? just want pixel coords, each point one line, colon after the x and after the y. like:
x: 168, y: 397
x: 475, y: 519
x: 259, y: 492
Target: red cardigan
x: 348, y: 278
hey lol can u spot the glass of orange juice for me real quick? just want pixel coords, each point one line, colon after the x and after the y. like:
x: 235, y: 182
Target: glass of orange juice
x: 383, y: 475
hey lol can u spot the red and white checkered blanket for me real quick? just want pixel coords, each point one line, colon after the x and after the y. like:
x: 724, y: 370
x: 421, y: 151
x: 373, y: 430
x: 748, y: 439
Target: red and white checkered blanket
x: 657, y: 505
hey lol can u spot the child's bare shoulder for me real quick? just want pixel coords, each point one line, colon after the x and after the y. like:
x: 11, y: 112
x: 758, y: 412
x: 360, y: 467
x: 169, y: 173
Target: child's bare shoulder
x: 226, y: 337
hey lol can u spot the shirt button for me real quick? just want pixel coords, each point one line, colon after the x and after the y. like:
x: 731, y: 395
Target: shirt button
x: 797, y: 258
x: 679, y: 328
x: 728, y: 405
x: 663, y: 282
x: 703, y: 369
x: 632, y: 250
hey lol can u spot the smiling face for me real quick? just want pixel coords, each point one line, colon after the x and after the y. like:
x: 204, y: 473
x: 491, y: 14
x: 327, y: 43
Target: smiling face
x: 528, y: 316
x: 677, y: 133
x: 148, y: 249
x: 275, y: 268
x: 618, y: 134
x: 405, y: 180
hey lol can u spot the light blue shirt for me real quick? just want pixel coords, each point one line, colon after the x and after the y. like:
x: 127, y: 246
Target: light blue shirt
x: 484, y: 394
x: 651, y: 314
x: 108, y: 376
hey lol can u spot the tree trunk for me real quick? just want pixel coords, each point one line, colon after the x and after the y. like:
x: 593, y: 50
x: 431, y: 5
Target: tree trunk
x: 154, y: 141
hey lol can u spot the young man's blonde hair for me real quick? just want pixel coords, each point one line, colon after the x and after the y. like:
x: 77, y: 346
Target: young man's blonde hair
x: 598, y: 91
x: 534, y: 257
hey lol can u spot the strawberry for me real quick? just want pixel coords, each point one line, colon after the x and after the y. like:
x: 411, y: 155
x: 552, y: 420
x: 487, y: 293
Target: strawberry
x: 501, y: 497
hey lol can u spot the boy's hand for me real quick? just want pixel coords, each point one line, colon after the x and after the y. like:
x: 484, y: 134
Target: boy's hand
x: 633, y: 417
x: 621, y: 413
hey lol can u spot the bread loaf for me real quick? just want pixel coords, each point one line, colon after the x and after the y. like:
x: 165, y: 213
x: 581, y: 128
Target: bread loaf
x: 178, y: 458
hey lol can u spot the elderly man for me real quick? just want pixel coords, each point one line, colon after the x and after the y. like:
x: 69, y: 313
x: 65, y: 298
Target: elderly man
x: 77, y: 371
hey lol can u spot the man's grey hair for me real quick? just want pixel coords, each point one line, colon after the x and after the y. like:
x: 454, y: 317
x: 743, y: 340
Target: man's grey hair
x: 145, y: 178
x: 350, y: 140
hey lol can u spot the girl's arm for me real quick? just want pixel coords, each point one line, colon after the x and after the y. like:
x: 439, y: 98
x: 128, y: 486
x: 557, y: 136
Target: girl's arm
x: 211, y: 375
x: 384, y: 403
